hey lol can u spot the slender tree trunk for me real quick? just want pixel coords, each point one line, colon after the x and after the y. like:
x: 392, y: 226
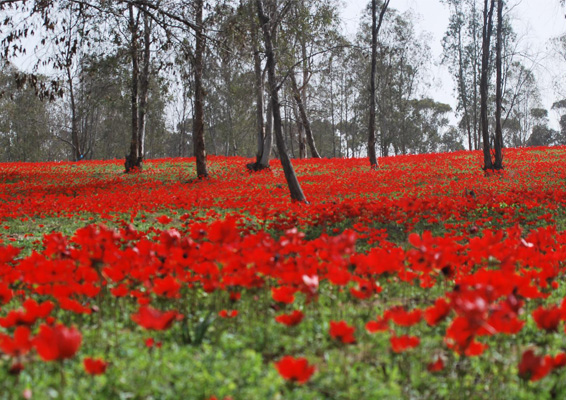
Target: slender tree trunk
x: 484, y: 84
x: 304, y: 135
x: 477, y: 70
x: 298, y: 126
x: 463, y: 90
x: 498, y: 143
x: 198, y: 119
x: 268, y: 139
x: 75, y: 142
x: 332, y: 109
x: 144, y: 87
x: 132, y: 160
x: 376, y: 25
x: 292, y: 181
x: 304, y: 117
x: 258, y: 99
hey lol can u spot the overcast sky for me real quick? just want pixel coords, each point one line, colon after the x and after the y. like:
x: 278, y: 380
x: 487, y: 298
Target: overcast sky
x: 535, y: 21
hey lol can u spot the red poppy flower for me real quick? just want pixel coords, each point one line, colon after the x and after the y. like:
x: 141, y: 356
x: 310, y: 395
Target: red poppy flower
x: 19, y: 345
x: 235, y: 296
x: 223, y: 231
x: 295, y: 369
x: 402, y: 317
x: 5, y: 293
x: 435, y: 366
x: 547, y: 319
x: 292, y: 319
x: 559, y: 360
x: 227, y: 314
x: 533, y: 367
x: 168, y: 286
x: 95, y: 366
x: 283, y: 294
x: 340, y: 330
x: 437, y: 313
x: 150, y: 342
x: 399, y: 344
x: 164, y: 219
x: 150, y: 318
x: 57, y: 342
x: 381, y: 325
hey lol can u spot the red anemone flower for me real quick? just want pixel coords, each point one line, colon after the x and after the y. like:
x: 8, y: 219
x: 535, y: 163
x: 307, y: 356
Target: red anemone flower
x: 295, y: 369
x: 340, y: 330
x: 227, y: 314
x: 399, y: 344
x: 533, y: 367
x: 283, y: 294
x: 435, y: 366
x: 19, y: 345
x: 150, y: 318
x: 547, y: 319
x: 57, y: 342
x: 95, y: 366
x: 292, y: 319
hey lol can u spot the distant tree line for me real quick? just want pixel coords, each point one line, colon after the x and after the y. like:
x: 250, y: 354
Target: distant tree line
x: 136, y: 79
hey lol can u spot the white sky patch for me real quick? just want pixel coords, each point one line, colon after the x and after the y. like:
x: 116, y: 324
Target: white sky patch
x: 535, y: 21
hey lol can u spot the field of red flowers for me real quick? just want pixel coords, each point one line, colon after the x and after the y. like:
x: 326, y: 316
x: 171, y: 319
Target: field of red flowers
x: 425, y: 279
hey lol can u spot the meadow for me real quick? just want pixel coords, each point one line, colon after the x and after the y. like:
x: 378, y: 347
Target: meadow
x: 424, y: 279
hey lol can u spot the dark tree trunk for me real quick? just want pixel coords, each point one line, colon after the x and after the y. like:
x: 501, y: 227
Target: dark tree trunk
x: 332, y: 109
x: 498, y: 143
x: 476, y: 67
x: 198, y: 119
x: 259, y: 100
x: 133, y: 160
x: 144, y: 87
x: 268, y: 139
x: 463, y: 90
x: 484, y: 84
x: 300, y: 130
x: 375, y: 27
x: 75, y: 142
x: 292, y: 181
x: 304, y: 118
x: 264, y: 133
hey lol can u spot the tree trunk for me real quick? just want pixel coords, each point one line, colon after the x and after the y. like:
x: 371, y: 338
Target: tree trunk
x: 463, y: 89
x: 375, y: 27
x: 144, y: 87
x: 198, y: 119
x: 133, y: 161
x: 498, y: 143
x: 476, y: 70
x: 300, y: 131
x: 259, y: 100
x: 292, y: 181
x: 304, y: 117
x: 332, y: 109
x: 484, y: 84
x: 75, y: 142
x: 268, y: 139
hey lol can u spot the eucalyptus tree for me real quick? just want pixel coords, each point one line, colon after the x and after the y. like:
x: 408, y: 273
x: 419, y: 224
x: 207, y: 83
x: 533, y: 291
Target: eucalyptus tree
x: 269, y: 25
x: 520, y: 96
x: 25, y: 122
x: 498, y: 140
x: 461, y: 49
x: 401, y: 65
x: 541, y: 134
x: 141, y: 18
x: 308, y: 35
x: 487, y: 30
x: 375, y: 27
